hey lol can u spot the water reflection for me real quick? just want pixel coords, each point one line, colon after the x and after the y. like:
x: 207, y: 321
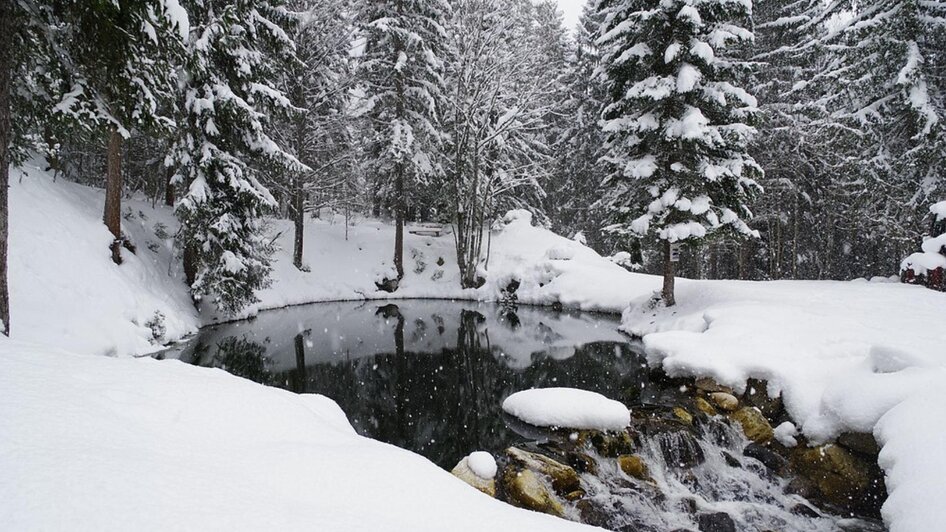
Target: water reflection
x: 428, y: 376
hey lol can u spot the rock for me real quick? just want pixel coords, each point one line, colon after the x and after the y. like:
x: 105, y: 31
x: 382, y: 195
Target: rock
x: 754, y: 424
x: 633, y: 466
x: 564, y: 478
x: 708, y: 385
x: 592, y: 514
x: 860, y: 442
x: 582, y: 462
x: 757, y: 395
x: 387, y: 285
x: 805, y: 511
x: 840, y: 477
x: 681, y: 414
x: 716, y: 522
x: 680, y: 449
x: 575, y: 495
x: 463, y: 472
x: 524, y: 489
x: 731, y: 460
x: 703, y: 406
x: 608, y: 444
x: 726, y: 401
x: 768, y: 457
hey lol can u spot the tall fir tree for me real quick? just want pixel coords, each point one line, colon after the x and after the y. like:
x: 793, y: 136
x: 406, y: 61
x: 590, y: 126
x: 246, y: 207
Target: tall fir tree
x: 235, y: 52
x: 401, y: 74
x: 677, y: 127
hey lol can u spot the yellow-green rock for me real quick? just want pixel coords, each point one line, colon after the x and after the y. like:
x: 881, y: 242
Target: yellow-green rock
x: 633, y: 466
x: 836, y: 473
x: 463, y: 472
x: 703, y: 406
x: 682, y: 415
x: 754, y: 424
x: 525, y: 489
x: 726, y: 401
x: 564, y: 478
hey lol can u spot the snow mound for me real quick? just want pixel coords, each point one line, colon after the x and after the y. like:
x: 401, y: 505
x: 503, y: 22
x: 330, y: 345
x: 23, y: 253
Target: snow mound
x: 482, y: 464
x: 567, y: 408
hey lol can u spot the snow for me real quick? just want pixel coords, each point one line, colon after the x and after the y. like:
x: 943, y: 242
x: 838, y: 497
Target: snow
x: 921, y: 263
x: 938, y: 210
x: 96, y: 443
x: 785, y: 434
x: 482, y: 464
x: 99, y: 433
x: 567, y: 408
x: 862, y: 357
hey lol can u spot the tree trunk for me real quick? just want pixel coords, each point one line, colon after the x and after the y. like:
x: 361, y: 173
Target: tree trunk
x: 399, y: 222
x: 169, y: 188
x: 190, y: 263
x: 667, y: 292
x: 6, y: 66
x: 113, y: 193
x: 298, y: 219
x: 298, y: 377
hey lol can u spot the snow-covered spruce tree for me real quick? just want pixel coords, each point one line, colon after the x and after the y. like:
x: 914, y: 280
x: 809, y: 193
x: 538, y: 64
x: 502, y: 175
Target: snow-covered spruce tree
x: 503, y: 78
x: 320, y: 134
x: 401, y: 74
x: 578, y: 146
x: 676, y: 125
x: 120, y: 61
x: 234, y: 53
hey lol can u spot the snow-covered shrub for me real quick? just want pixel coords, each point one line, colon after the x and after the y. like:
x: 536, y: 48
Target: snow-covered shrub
x: 928, y: 267
x: 157, y: 326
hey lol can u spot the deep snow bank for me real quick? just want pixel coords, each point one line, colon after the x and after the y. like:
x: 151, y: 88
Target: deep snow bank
x: 846, y: 356
x: 95, y: 443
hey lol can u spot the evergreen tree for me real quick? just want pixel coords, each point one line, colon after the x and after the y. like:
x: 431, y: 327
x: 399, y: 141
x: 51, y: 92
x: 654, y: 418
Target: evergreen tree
x: 676, y: 125
x: 234, y: 54
x: 401, y: 74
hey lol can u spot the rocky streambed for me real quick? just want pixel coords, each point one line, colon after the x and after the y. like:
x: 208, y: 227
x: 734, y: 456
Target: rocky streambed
x: 696, y: 456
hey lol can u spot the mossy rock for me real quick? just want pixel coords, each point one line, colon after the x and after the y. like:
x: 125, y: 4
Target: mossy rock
x: 703, y: 406
x: 607, y: 444
x: 838, y: 475
x: 757, y: 395
x: 754, y: 424
x: 708, y: 385
x: 682, y: 414
x: 634, y: 466
x: 564, y: 478
x: 463, y: 472
x: 725, y: 401
x: 523, y: 488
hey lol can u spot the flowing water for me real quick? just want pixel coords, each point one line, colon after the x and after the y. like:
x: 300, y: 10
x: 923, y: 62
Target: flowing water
x: 430, y: 376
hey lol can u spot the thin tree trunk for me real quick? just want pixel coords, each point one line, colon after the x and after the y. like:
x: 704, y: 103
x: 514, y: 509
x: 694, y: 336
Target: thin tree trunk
x: 169, y: 188
x: 667, y: 293
x: 113, y: 193
x: 6, y: 65
x: 190, y: 263
x: 399, y: 222
x: 298, y: 219
x: 299, y: 374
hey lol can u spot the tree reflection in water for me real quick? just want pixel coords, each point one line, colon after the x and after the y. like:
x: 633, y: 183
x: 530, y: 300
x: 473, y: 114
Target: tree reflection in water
x: 428, y: 377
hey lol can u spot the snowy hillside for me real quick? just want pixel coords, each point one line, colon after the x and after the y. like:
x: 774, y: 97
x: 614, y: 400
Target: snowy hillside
x: 68, y: 293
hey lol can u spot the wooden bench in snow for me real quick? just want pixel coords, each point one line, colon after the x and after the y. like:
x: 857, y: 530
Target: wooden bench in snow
x: 426, y: 230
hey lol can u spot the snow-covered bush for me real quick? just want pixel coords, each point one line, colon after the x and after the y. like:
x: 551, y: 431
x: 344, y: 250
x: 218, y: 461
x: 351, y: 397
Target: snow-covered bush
x: 928, y: 267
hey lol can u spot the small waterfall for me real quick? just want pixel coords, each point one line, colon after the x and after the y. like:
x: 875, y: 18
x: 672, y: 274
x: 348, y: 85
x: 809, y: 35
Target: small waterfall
x: 701, y: 480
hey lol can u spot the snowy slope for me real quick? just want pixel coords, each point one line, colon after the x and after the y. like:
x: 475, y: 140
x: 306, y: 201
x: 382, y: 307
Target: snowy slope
x: 847, y: 356
x: 65, y: 291
x: 95, y: 443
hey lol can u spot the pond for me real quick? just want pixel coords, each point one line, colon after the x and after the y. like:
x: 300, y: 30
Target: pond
x: 430, y: 376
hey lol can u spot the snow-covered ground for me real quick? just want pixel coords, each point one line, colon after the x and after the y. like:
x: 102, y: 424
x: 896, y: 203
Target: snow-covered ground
x: 95, y: 443
x: 127, y: 444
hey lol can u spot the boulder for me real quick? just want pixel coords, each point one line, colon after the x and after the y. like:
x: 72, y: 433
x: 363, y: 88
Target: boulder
x: 716, y: 522
x: 387, y: 285
x: 859, y: 442
x: 524, y: 488
x: 768, y: 457
x: 463, y: 472
x: 754, y: 424
x: 633, y: 466
x: 564, y: 478
x: 839, y: 476
x: 725, y: 401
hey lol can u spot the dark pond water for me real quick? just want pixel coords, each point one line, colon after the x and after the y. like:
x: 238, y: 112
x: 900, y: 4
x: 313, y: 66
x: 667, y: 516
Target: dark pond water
x: 429, y: 376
